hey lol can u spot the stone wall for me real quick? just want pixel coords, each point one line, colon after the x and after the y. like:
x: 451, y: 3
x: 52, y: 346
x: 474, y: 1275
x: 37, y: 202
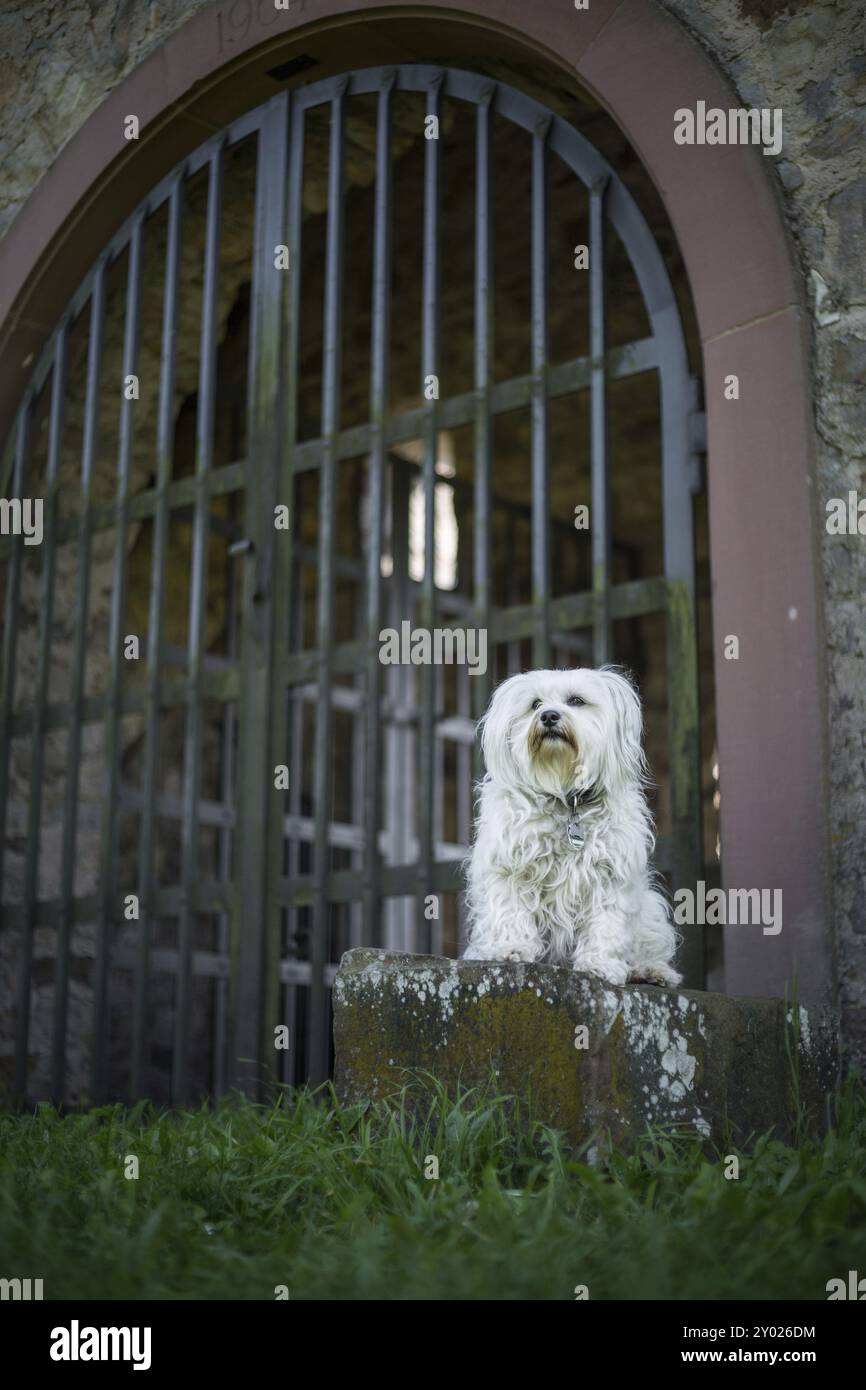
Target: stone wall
x: 58, y: 61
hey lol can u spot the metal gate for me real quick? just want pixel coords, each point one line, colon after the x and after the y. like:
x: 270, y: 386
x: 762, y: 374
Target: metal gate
x: 284, y: 860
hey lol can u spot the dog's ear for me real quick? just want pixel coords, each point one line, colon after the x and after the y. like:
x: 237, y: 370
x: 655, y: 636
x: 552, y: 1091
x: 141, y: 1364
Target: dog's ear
x: 625, y: 762
x: 495, y: 728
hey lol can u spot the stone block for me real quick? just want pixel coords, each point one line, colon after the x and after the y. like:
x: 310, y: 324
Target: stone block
x: 598, y: 1062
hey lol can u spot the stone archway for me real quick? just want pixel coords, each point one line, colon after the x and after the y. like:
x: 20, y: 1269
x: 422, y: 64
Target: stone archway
x: 641, y: 66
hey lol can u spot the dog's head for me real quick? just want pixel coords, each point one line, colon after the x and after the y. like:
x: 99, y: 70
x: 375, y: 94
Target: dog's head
x: 560, y: 731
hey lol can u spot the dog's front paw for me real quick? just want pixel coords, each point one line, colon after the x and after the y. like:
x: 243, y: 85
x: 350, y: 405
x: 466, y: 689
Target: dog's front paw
x: 473, y: 953
x: 527, y: 954
x: 613, y: 972
x: 663, y: 975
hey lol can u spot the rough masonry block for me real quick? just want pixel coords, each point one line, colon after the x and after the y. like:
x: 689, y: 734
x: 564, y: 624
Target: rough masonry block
x: 594, y: 1059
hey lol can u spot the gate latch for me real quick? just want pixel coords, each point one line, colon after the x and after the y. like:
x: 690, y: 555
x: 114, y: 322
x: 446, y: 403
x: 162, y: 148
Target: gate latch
x: 240, y: 547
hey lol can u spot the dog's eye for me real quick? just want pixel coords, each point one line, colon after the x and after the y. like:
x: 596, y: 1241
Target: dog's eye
x: 535, y: 704
x: 575, y: 700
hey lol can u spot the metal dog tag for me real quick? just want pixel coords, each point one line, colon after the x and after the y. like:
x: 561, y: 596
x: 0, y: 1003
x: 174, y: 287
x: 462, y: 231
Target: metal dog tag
x: 574, y: 833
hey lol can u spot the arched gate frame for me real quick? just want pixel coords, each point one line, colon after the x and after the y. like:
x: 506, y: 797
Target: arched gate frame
x: 257, y: 889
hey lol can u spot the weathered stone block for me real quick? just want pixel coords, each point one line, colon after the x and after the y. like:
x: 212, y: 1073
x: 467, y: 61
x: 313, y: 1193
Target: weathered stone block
x: 592, y: 1058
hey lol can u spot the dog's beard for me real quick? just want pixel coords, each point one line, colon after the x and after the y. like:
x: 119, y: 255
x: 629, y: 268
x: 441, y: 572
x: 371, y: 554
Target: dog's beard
x: 554, y: 757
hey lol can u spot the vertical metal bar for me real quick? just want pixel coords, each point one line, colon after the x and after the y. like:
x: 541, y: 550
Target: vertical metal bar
x: 7, y: 459
x: 357, y: 764
x: 435, y: 923
x: 76, y: 697
x: 296, y: 749
x: 7, y: 696
x: 317, y: 1043
x: 255, y: 991
x: 190, y: 869
x: 224, y: 874
x: 424, y: 746
x: 37, y: 757
x: 10, y: 622
x: 511, y: 590
x: 539, y: 407
x: 225, y: 842
x: 290, y: 843
x: 317, y: 1049
x: 107, y: 890
x: 155, y: 627
x: 399, y: 787
x: 283, y: 167
x: 379, y: 404
x: 481, y: 685
x: 601, y: 521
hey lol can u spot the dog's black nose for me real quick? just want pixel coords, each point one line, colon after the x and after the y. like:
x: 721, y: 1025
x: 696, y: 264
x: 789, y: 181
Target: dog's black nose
x: 549, y: 717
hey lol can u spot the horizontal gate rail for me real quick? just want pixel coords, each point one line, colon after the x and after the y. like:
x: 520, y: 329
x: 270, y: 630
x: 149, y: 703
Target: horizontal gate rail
x: 564, y: 378
x: 343, y: 886
x: 636, y: 598
x: 216, y: 965
x: 218, y: 685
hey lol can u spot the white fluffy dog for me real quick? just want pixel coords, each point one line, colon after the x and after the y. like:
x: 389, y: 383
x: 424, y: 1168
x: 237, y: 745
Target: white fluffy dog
x: 559, y: 869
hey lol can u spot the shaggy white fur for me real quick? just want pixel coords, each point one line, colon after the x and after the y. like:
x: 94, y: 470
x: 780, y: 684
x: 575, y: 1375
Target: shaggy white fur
x: 559, y: 869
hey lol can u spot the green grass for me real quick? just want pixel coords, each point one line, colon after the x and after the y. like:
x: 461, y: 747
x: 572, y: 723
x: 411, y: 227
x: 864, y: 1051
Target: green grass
x: 233, y: 1200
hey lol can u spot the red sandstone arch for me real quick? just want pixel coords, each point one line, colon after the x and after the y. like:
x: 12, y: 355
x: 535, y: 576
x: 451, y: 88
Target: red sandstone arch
x: 641, y: 66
